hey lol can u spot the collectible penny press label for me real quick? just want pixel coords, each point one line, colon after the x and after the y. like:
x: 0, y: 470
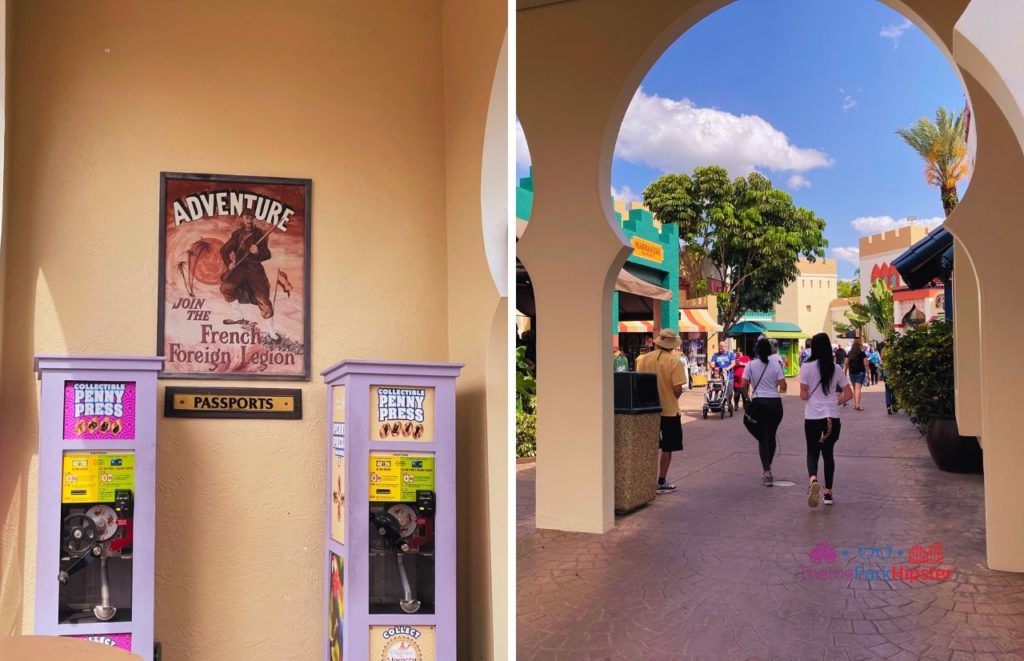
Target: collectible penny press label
x: 99, y: 411
x: 338, y: 466
x: 121, y: 641
x: 401, y: 413
x: 402, y: 643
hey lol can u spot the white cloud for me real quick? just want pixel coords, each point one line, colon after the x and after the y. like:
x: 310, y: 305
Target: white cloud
x: 798, y: 181
x: 625, y: 194
x: 850, y: 255
x: 848, y: 100
x: 875, y: 224
x: 676, y: 136
x: 522, y: 150
x: 895, y: 31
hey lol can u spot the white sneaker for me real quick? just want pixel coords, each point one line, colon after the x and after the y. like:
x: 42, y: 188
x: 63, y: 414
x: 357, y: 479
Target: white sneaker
x: 813, y: 494
x: 665, y: 488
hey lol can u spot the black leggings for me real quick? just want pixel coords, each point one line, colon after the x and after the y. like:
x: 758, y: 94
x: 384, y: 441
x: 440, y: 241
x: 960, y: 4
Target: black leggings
x: 769, y: 416
x: 812, y: 431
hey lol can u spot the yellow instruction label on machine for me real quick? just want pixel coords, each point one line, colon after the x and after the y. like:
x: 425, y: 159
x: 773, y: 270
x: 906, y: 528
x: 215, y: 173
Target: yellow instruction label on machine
x: 92, y: 477
x: 397, y: 476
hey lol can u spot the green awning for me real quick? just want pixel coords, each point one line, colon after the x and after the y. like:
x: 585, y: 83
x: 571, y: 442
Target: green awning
x: 782, y: 330
x: 780, y: 327
x: 747, y: 327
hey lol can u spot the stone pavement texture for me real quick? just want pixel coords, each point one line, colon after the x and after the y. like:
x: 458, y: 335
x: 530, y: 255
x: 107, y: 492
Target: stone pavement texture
x: 714, y: 570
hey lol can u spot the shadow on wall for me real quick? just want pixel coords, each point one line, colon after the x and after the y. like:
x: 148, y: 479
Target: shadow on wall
x: 19, y: 428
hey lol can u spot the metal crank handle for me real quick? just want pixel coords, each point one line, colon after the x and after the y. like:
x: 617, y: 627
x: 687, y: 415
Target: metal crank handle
x: 408, y: 604
x: 104, y: 611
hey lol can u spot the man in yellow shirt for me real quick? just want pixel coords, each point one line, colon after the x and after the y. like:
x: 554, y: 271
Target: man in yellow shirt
x: 671, y: 378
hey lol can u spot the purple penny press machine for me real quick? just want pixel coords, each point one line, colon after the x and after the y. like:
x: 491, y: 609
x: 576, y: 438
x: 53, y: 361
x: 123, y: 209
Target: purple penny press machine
x: 97, y: 462
x: 389, y: 564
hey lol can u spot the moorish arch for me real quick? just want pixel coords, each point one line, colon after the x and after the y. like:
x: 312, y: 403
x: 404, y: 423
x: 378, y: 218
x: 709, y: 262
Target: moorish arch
x: 578, y: 65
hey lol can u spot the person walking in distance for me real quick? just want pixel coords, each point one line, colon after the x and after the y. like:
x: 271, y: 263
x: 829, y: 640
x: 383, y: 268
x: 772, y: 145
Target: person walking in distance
x: 681, y: 357
x: 857, y: 369
x: 819, y: 376
x: 890, y: 399
x: 724, y: 360
x: 805, y: 354
x: 662, y: 362
x: 763, y: 414
x: 874, y: 362
x: 739, y: 392
x: 840, y: 359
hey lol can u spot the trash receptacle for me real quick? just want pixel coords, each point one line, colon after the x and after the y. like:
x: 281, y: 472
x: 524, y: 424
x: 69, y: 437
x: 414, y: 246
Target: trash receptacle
x: 637, y: 426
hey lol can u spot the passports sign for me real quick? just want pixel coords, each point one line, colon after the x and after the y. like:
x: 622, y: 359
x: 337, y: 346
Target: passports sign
x: 267, y: 403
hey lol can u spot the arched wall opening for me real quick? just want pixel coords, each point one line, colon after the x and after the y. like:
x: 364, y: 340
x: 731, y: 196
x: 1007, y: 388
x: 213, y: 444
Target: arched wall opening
x: 572, y: 143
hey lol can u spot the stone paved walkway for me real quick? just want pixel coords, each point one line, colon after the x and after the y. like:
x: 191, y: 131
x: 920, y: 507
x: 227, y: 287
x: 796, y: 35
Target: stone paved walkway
x: 713, y: 571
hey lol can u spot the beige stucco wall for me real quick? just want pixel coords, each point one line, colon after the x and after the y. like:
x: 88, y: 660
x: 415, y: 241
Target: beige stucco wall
x: 807, y: 299
x: 104, y: 95
x: 966, y: 363
x: 478, y: 328
x: 571, y: 98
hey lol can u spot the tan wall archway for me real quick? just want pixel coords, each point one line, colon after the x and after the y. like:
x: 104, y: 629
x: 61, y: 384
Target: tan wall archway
x: 572, y: 96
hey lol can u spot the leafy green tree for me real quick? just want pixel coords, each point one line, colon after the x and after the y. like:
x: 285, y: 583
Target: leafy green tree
x: 526, y: 406
x: 526, y: 383
x: 848, y: 288
x: 943, y: 147
x: 859, y: 316
x: 880, y: 307
x: 841, y: 328
x: 750, y: 233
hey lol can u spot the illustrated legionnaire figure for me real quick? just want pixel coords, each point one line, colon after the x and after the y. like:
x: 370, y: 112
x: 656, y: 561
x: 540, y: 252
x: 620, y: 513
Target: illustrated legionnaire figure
x: 244, y: 279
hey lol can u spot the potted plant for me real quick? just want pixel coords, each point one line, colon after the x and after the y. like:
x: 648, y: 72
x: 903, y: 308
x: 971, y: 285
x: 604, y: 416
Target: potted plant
x: 919, y: 367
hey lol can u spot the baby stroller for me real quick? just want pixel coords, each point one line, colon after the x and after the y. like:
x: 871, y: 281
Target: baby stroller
x: 716, y: 399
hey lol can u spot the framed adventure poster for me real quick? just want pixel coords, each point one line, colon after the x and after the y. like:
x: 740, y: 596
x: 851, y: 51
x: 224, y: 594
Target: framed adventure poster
x: 234, y: 277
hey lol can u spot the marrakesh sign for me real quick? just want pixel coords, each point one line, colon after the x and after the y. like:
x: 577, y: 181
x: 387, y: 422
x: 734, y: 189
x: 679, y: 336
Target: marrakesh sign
x: 234, y: 277
x: 648, y: 249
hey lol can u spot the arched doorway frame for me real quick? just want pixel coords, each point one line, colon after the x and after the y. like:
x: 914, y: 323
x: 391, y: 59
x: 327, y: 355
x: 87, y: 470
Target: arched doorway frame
x: 572, y: 99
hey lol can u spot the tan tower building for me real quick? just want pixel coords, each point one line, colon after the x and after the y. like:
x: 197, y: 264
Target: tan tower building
x: 910, y: 306
x: 807, y: 299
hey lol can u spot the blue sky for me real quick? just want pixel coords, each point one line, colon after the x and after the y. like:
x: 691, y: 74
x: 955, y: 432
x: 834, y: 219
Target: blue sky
x: 808, y: 92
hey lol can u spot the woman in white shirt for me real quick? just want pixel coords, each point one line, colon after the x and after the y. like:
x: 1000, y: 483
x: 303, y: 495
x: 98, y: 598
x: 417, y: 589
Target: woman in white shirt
x: 819, y: 379
x: 686, y: 369
x: 764, y: 413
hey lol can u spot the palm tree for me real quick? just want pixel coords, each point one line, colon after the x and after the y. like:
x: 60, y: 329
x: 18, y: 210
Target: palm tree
x: 880, y: 307
x: 943, y: 147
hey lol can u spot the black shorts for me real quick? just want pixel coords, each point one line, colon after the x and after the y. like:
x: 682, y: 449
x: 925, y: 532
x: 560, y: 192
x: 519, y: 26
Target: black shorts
x: 671, y: 434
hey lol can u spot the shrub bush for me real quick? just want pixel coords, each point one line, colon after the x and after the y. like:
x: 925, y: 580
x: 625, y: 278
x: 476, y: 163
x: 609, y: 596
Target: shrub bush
x: 526, y: 434
x: 919, y: 368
